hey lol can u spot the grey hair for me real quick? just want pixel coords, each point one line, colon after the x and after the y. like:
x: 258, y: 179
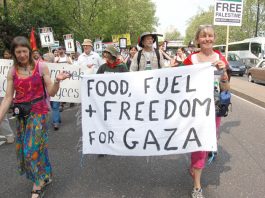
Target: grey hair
x: 49, y: 57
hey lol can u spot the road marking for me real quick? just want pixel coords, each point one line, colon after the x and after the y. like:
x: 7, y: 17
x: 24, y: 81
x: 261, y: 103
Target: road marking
x: 249, y: 102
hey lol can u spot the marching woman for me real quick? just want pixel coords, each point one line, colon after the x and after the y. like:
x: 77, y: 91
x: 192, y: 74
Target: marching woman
x: 30, y: 81
x: 205, y: 38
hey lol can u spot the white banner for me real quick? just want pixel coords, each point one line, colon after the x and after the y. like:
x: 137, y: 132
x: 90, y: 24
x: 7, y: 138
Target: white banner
x: 69, y: 90
x: 157, y: 112
x: 46, y: 36
x: 4, y: 68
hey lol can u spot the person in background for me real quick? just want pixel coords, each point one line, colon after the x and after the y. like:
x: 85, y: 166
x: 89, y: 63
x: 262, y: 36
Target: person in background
x: 7, y: 54
x: 89, y: 60
x: 55, y: 106
x: 191, y: 48
x: 180, y: 57
x: 113, y: 64
x: 132, y: 51
x: 5, y: 129
x: 36, y: 55
x: 55, y: 52
x: 205, y: 37
x: 75, y: 57
x: 27, y: 81
x: 168, y: 60
x: 150, y: 58
x: 62, y: 57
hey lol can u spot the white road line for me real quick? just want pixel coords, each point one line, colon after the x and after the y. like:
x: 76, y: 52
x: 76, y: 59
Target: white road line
x: 248, y: 102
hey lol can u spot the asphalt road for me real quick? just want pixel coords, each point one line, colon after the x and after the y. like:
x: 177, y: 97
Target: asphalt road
x: 239, y: 170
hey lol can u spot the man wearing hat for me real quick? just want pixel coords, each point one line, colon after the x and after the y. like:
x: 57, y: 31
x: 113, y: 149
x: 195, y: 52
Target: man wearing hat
x: 113, y: 63
x: 89, y: 60
x: 148, y: 58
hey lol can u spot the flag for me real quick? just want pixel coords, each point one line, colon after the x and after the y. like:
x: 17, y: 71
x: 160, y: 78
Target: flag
x: 32, y: 39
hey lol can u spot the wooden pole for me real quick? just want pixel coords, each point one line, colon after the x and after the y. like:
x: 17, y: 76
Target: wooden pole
x: 227, y: 41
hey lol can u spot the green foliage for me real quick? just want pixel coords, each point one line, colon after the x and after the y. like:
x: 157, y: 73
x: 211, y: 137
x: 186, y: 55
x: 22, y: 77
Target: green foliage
x: 82, y: 18
x: 172, y: 35
x: 247, y: 29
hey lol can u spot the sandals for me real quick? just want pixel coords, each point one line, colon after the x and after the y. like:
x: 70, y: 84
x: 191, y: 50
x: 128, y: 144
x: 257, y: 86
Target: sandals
x: 40, y: 193
x: 47, y: 182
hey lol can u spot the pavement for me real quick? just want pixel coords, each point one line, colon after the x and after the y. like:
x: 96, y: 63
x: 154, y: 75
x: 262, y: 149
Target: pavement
x: 239, y: 170
x: 250, y: 91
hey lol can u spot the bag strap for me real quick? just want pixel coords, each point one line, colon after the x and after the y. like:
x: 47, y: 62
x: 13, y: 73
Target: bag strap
x: 158, y: 58
x: 139, y: 58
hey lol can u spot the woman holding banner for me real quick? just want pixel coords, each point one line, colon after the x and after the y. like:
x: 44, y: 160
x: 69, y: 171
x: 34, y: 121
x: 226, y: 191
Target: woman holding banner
x: 205, y: 38
x: 29, y: 80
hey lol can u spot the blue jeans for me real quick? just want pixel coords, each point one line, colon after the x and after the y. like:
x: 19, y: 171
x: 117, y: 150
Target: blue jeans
x: 56, y: 116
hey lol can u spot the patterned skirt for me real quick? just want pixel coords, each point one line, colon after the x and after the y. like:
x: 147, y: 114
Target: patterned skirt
x: 32, y: 147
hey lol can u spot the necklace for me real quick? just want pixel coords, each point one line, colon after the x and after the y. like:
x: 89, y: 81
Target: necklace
x: 26, y: 70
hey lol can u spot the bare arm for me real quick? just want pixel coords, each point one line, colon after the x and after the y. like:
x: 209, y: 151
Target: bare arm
x: 52, y: 87
x: 9, y: 95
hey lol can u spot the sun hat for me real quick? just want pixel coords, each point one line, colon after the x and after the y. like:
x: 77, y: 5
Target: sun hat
x: 87, y: 42
x: 112, y: 50
x: 146, y: 34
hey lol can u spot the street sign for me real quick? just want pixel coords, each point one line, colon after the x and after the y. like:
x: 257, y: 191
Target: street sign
x: 46, y: 36
x: 228, y: 12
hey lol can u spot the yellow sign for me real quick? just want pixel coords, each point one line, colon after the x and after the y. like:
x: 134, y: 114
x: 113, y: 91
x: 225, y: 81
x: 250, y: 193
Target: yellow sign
x: 116, y: 38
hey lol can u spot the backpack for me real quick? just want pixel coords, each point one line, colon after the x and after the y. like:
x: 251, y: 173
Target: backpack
x: 139, y: 58
x: 222, y: 105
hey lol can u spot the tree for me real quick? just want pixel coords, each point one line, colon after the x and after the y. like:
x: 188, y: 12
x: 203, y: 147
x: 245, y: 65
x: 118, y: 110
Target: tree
x: 172, y: 35
x: 83, y: 18
x: 247, y: 30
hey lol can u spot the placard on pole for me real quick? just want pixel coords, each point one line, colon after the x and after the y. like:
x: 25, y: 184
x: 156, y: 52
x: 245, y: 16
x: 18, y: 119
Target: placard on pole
x: 228, y: 13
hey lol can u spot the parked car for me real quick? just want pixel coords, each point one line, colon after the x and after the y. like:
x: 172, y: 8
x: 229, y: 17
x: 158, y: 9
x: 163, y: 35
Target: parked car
x: 250, y: 62
x: 236, y: 66
x: 257, y: 73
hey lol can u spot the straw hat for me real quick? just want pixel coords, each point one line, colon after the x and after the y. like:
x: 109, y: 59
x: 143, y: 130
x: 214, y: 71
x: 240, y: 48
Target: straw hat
x: 87, y: 42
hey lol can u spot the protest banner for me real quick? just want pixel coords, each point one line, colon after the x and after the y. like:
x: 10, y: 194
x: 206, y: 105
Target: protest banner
x: 157, y: 112
x: 228, y: 12
x: 69, y: 43
x: 98, y: 47
x: 116, y: 38
x: 46, y: 36
x: 4, y: 68
x: 78, y: 47
x: 69, y: 90
x: 55, y: 45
